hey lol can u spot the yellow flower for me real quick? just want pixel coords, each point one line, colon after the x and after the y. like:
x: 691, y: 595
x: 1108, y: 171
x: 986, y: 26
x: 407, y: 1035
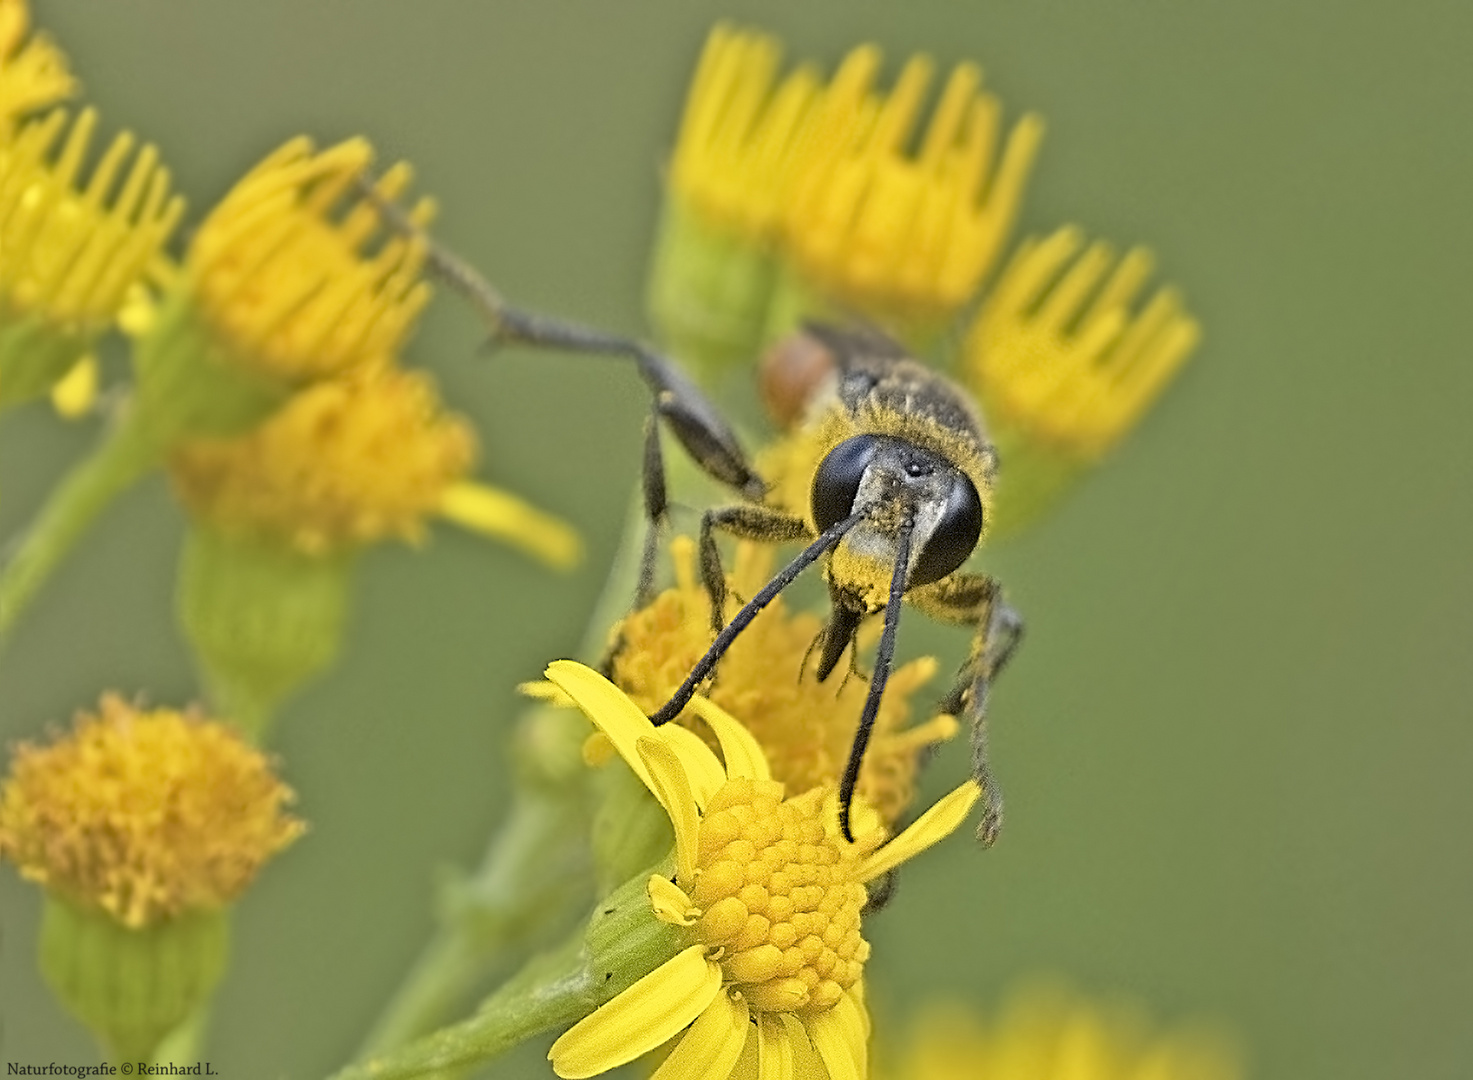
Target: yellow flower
x: 69, y: 252
x: 33, y: 74
x: 804, y: 727
x: 767, y: 895
x: 1062, y: 354
x: 741, y: 135
x: 145, y: 815
x: 283, y: 271
x: 903, y: 237
x: 351, y: 461
x: 1052, y: 1035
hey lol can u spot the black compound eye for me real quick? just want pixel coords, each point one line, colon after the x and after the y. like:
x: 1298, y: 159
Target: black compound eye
x: 836, y: 483
x: 955, y: 537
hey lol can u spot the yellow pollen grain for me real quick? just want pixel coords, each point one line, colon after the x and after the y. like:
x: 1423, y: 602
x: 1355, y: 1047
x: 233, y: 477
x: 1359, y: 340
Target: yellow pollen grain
x: 792, y: 943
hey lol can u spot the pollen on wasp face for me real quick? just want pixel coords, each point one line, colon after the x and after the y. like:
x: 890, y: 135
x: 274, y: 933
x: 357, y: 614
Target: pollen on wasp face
x: 780, y: 898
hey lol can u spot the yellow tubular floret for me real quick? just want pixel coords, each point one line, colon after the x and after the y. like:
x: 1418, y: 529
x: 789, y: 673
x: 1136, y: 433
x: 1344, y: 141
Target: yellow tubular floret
x: 286, y: 271
x: 740, y: 135
x: 70, y: 252
x: 891, y: 231
x: 1064, y: 352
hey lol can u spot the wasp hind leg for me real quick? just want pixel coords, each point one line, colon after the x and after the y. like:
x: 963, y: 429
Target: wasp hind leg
x: 976, y: 600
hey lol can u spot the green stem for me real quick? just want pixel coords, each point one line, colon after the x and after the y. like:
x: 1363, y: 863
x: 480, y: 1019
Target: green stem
x: 553, y: 990
x: 127, y: 452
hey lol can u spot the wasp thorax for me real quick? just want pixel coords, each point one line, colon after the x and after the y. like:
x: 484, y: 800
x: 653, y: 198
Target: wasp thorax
x: 780, y: 898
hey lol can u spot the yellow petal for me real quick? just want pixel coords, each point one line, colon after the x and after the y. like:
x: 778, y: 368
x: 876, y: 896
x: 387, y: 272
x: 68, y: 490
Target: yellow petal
x: 774, y: 1049
x: 935, y: 823
x: 743, y: 754
x: 670, y: 903
x: 709, y: 1050
x: 650, y: 1012
x: 701, y: 766
x: 504, y: 516
x: 839, y: 1043
x: 542, y: 690
x: 605, y: 704
x: 672, y: 787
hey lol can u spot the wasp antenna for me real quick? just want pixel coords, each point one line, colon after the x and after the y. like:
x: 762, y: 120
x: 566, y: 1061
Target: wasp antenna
x: 877, y: 683
x: 830, y: 536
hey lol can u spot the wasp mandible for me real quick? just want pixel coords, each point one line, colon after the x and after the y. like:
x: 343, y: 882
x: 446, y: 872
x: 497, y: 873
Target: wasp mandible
x: 902, y: 480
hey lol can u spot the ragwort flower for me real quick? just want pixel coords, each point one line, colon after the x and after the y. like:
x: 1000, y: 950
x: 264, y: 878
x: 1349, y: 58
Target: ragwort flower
x: 70, y: 253
x: 767, y: 896
x: 143, y: 826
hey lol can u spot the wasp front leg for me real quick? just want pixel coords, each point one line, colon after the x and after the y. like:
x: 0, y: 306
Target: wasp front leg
x: 976, y: 600
x: 749, y: 522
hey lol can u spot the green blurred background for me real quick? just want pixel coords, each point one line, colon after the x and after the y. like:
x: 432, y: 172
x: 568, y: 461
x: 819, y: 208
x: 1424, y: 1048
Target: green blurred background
x: 1237, y: 745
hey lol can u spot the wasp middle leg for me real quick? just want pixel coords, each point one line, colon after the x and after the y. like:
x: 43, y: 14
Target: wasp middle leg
x: 976, y: 600
x: 746, y: 522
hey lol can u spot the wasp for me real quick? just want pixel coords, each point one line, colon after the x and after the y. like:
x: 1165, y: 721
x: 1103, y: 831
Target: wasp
x: 902, y: 478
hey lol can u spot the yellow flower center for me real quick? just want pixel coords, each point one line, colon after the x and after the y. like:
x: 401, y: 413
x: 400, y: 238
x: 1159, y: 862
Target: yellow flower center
x: 804, y: 727
x: 145, y: 815
x: 780, y: 899
x: 344, y: 462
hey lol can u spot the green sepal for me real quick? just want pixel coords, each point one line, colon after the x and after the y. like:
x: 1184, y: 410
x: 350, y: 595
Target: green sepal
x: 261, y: 618
x: 131, y: 987
x: 190, y: 385
x: 630, y: 829
x: 709, y: 291
x: 34, y: 355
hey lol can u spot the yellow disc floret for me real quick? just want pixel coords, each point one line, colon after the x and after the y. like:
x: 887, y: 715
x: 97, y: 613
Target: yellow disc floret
x: 345, y: 462
x: 1062, y: 355
x: 284, y: 269
x: 780, y: 898
x: 144, y: 814
x: 805, y: 727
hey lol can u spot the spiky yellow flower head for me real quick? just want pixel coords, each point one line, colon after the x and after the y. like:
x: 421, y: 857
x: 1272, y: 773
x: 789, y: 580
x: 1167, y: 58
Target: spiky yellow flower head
x: 742, y: 134
x: 1062, y: 354
x: 1049, y: 1034
x: 144, y: 814
x: 285, y: 271
x: 903, y: 237
x: 33, y: 73
x: 70, y: 252
x: 351, y: 461
x: 767, y: 897
x: 804, y: 726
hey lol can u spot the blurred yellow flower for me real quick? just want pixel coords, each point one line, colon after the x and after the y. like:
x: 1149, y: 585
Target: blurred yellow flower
x: 768, y: 897
x: 33, y: 73
x: 1062, y: 351
x: 144, y: 814
x: 352, y: 461
x: 805, y: 728
x: 284, y: 271
x: 1053, y: 1035
x: 70, y: 252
